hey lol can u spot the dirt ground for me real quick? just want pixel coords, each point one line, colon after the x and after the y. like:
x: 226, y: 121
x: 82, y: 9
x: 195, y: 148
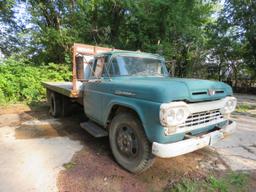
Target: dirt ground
x: 39, y: 153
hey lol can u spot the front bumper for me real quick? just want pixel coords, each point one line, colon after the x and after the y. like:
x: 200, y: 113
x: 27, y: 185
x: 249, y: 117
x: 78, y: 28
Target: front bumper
x: 192, y: 144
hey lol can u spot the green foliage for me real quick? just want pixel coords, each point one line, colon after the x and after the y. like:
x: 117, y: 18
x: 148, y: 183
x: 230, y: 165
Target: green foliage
x: 236, y: 182
x: 232, y: 43
x: 243, y: 108
x: 174, y: 29
x: 69, y: 165
x: 20, y: 81
x: 218, y: 184
x: 242, y: 17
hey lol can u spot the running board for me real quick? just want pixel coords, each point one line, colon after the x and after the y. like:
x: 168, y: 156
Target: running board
x: 94, y: 129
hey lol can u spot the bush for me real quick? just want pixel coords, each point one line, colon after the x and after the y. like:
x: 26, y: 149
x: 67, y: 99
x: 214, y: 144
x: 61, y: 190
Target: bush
x: 21, y: 81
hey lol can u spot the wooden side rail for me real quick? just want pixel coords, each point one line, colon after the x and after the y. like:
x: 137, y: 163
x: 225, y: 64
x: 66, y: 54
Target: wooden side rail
x: 83, y: 49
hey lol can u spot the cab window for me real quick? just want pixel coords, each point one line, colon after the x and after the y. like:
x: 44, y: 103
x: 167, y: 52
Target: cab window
x: 98, y: 67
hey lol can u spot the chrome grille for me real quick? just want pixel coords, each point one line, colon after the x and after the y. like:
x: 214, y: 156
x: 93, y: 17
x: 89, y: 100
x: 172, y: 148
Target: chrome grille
x: 203, y: 118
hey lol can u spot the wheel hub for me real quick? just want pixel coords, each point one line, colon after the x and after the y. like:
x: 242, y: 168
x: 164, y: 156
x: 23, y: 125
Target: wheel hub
x: 127, y: 142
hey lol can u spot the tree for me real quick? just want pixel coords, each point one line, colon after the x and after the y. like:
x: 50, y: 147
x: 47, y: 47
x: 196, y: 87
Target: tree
x: 172, y: 28
x: 232, y: 41
x: 10, y: 41
x: 241, y: 15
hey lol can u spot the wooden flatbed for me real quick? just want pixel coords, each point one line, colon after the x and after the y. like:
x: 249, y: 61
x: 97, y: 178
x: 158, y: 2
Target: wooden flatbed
x: 65, y: 88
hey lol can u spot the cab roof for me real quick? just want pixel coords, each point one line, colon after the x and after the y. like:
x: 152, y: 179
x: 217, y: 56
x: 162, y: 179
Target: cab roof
x: 130, y: 53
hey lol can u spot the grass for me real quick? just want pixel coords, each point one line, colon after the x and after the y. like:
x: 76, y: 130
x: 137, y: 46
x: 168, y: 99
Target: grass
x: 243, y: 108
x: 235, y: 182
x: 69, y: 165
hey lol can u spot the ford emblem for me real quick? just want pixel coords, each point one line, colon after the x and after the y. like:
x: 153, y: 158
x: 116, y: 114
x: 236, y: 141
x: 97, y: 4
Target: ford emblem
x: 211, y: 92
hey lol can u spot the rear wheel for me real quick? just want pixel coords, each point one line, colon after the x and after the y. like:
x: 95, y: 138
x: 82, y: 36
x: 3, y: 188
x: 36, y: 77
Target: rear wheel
x: 67, y: 106
x: 55, y: 102
x: 129, y: 143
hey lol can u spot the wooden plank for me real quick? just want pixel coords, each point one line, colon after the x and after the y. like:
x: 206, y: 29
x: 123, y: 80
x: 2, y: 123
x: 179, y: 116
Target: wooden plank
x: 85, y: 49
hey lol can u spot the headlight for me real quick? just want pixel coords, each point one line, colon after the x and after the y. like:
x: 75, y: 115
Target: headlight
x: 230, y: 105
x: 173, y: 114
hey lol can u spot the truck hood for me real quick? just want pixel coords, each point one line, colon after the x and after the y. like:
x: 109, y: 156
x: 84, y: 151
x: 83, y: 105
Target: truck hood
x: 167, y: 89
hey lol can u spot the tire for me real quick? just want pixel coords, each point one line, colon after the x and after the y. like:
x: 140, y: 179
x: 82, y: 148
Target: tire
x: 67, y: 106
x: 55, y: 104
x: 129, y: 144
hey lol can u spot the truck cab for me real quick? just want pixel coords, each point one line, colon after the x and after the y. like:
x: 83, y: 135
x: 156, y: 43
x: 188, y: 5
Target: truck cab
x: 130, y: 97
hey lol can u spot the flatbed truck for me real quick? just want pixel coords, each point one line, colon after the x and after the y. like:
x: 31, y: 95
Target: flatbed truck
x: 130, y: 97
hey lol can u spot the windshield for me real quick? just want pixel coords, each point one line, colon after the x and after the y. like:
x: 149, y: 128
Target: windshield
x: 136, y: 66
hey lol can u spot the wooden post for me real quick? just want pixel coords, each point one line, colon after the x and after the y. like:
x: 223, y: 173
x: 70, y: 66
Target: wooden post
x: 74, y: 76
x: 173, y: 67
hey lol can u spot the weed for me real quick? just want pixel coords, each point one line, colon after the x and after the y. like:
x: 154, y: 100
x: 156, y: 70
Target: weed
x: 243, y: 108
x: 218, y: 184
x: 230, y: 182
x: 69, y: 165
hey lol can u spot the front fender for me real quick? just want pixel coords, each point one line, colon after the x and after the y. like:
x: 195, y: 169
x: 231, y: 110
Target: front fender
x: 120, y: 102
x: 148, y: 113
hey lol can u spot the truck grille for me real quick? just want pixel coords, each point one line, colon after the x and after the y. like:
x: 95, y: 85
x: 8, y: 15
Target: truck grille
x: 204, y: 118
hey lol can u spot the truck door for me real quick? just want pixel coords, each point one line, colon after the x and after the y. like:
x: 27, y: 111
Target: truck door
x: 93, y: 92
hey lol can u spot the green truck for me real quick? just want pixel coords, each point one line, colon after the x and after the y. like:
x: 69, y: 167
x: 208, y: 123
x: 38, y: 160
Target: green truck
x: 130, y: 97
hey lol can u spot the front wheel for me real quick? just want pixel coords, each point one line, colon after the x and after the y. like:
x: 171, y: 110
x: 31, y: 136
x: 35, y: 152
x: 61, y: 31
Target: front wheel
x: 129, y: 143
